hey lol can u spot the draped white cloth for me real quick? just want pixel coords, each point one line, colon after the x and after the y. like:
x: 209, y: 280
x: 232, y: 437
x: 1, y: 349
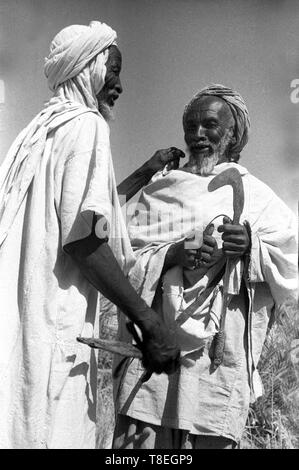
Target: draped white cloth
x: 73, y: 48
x: 76, y: 82
x: 58, y: 172
x: 194, y: 398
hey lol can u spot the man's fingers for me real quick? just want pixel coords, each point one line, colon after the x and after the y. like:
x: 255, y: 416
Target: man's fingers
x: 227, y: 246
x: 169, y: 366
x: 177, y: 153
x: 235, y: 239
x: 173, y: 154
x: 206, y: 249
x: 232, y: 254
x: 225, y: 228
x: 191, y: 252
x: 173, y: 164
x: 205, y: 257
x: 208, y: 230
x: 189, y: 261
x: 227, y: 220
x: 173, y: 364
x: 209, y: 240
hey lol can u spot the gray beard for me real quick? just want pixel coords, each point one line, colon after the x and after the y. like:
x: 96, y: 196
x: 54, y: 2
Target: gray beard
x: 106, y: 112
x: 204, y: 164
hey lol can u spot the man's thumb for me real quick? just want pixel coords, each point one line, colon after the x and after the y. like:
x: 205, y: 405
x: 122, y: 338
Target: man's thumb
x: 227, y: 220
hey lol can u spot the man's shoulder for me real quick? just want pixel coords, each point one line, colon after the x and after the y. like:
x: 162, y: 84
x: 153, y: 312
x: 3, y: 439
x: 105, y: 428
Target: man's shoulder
x: 259, y: 185
x: 262, y: 195
x: 85, y: 131
x: 92, y: 122
x: 82, y: 134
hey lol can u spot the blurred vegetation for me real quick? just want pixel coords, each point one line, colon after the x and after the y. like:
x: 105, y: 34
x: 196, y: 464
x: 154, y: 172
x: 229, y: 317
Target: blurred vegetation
x: 105, y: 410
x: 273, y: 420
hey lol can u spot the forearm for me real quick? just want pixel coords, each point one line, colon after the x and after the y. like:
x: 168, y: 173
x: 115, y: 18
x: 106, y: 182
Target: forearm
x: 137, y: 180
x: 99, y: 266
x: 171, y: 258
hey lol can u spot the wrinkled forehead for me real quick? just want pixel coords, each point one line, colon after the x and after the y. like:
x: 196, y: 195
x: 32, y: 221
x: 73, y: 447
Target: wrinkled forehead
x: 210, y: 106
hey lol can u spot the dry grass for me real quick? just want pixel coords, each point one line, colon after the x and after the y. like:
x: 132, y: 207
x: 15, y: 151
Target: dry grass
x: 273, y: 421
x: 105, y: 410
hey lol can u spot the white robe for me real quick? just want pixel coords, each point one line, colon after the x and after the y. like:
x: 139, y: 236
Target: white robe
x: 194, y: 398
x: 47, y: 379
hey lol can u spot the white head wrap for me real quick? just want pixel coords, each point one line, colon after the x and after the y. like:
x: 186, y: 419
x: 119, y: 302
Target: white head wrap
x: 75, y: 67
x: 238, y: 108
x: 76, y: 73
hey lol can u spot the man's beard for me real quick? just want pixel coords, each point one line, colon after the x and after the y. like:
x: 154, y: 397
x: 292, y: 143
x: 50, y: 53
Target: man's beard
x: 204, y: 163
x: 106, y: 111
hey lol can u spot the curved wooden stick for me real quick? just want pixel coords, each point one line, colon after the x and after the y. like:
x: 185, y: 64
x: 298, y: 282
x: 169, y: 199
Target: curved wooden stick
x: 116, y: 347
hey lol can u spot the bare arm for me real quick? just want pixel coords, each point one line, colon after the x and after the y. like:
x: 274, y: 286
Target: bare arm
x: 98, y: 264
x: 141, y: 177
x: 133, y: 183
x: 177, y: 254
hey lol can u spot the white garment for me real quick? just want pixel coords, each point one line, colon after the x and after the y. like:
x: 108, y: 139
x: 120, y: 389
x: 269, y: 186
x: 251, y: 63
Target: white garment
x: 48, y: 379
x: 195, y: 329
x: 171, y: 207
x: 195, y: 398
x: 57, y: 173
x: 74, y: 48
x: 76, y: 71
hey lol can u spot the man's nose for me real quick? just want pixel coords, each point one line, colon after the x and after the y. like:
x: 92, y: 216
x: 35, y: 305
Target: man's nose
x: 201, y: 133
x: 119, y: 87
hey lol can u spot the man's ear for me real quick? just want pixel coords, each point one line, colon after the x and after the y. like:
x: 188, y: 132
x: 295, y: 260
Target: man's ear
x: 233, y: 138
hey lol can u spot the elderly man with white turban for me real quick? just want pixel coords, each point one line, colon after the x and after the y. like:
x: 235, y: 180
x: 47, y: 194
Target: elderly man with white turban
x: 237, y: 275
x: 63, y: 239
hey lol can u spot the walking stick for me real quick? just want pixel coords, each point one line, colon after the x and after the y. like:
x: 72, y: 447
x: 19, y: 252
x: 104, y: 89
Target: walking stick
x: 231, y: 177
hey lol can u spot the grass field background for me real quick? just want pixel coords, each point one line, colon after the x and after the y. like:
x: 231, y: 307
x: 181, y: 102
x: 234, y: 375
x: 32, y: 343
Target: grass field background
x: 273, y: 420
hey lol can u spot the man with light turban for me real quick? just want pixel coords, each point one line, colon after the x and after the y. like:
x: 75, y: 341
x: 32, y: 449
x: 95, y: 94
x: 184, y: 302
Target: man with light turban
x: 216, y: 251
x: 63, y: 239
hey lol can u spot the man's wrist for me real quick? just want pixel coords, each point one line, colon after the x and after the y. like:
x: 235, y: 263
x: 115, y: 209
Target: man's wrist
x: 147, y: 170
x: 171, y: 258
x: 146, y: 319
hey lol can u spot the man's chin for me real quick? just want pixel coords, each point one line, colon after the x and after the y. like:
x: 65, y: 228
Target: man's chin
x: 106, y: 111
x: 200, y: 155
x: 203, y: 164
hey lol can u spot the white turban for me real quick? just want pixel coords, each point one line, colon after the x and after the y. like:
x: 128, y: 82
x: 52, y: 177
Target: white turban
x: 238, y: 108
x: 75, y: 67
x: 76, y: 73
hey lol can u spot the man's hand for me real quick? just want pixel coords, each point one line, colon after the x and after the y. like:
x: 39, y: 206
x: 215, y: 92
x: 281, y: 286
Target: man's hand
x: 159, y: 345
x: 170, y: 156
x: 235, y: 238
x: 209, y: 247
x: 192, y: 258
x: 99, y: 266
x: 177, y: 255
x: 141, y: 177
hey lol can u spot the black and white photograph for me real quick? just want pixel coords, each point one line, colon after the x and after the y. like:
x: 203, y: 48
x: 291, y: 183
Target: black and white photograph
x: 149, y: 181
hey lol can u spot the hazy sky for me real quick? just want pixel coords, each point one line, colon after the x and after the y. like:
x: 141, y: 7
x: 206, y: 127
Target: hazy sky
x: 171, y: 49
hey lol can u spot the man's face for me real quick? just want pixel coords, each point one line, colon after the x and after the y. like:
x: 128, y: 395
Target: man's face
x: 112, y: 88
x: 208, y: 127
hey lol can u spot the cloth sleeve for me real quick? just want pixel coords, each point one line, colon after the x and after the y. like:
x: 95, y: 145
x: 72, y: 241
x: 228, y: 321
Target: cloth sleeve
x: 86, y: 187
x: 274, y: 251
